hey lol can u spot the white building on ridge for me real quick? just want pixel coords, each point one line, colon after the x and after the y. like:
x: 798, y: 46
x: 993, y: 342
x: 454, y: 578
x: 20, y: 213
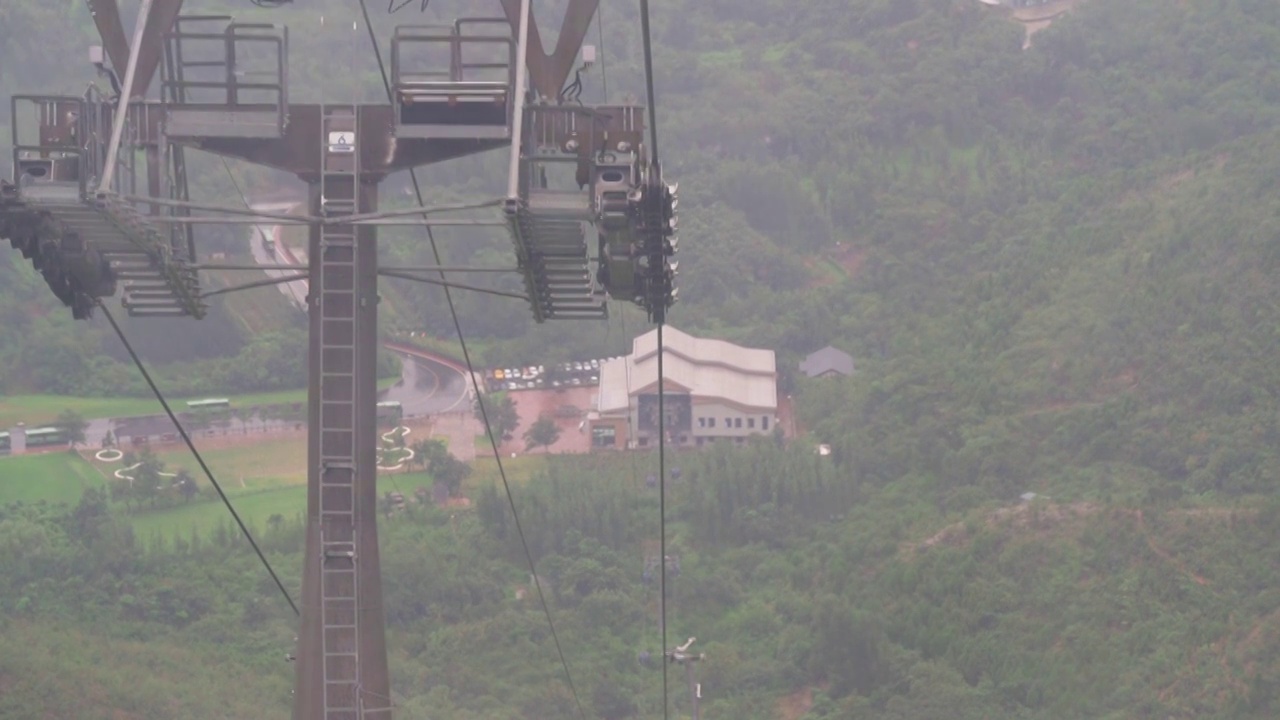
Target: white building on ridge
x: 714, y: 390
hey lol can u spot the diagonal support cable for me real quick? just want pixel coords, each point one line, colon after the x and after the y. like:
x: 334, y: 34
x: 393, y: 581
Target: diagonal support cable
x: 256, y: 284
x: 662, y: 415
x: 662, y: 515
x: 122, y: 106
x: 199, y: 459
x: 466, y: 354
x: 455, y: 285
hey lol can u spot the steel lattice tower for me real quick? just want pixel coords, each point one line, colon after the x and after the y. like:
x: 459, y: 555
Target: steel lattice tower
x: 76, y: 210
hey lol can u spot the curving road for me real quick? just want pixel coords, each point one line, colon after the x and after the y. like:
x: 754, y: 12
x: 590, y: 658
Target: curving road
x: 296, y: 291
x: 427, y: 386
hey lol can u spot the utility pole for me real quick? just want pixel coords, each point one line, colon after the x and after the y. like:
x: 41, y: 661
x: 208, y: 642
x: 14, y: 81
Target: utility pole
x: 682, y: 656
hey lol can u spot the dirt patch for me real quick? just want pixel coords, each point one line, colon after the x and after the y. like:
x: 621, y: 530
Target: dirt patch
x: 1036, y: 514
x: 459, y: 429
x: 1261, y: 637
x: 850, y: 258
x: 1175, y: 179
x: 840, y: 263
x: 819, y: 277
x: 795, y: 705
x: 787, y: 418
x: 1041, y: 516
x: 569, y: 408
x: 1165, y: 555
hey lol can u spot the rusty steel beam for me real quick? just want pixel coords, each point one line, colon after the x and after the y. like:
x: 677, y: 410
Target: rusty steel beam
x: 106, y: 16
x: 159, y: 23
x: 381, y: 153
x: 548, y: 73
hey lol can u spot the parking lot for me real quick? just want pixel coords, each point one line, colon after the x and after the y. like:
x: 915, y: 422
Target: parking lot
x: 577, y: 373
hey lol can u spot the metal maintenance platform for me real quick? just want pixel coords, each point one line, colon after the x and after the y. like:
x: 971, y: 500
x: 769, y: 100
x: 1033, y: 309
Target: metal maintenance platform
x: 88, y: 243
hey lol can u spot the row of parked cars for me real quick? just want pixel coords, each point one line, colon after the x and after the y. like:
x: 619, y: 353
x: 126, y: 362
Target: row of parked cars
x: 566, y: 374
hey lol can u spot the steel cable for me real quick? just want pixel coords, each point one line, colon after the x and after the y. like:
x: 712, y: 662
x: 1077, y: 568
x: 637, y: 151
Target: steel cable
x: 199, y: 459
x: 662, y: 414
x: 466, y: 354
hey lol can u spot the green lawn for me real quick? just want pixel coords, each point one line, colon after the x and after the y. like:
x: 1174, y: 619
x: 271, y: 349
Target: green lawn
x: 262, y: 479
x: 41, y: 409
x: 204, y: 516
x: 54, y: 477
x: 274, y: 474
x: 260, y: 465
x: 255, y: 507
x: 257, y: 466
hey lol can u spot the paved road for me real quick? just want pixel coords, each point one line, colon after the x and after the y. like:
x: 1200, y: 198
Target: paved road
x: 428, y: 387
x: 296, y: 291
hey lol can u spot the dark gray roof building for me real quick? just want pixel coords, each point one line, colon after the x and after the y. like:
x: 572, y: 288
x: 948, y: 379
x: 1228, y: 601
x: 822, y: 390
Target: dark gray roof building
x: 827, y: 362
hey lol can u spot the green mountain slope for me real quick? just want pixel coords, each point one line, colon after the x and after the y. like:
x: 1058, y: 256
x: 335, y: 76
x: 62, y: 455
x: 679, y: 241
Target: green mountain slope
x: 1059, y: 283
x: 811, y: 598
x: 67, y: 670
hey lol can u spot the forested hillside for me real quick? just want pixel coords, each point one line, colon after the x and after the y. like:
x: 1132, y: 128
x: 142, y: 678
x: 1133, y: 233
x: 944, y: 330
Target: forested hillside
x: 812, y: 596
x: 1053, y: 267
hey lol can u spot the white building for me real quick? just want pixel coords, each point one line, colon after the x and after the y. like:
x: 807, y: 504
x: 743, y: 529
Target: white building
x: 713, y: 390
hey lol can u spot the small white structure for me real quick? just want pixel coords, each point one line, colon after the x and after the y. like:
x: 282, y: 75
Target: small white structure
x: 827, y: 362
x: 712, y: 390
x: 18, y: 439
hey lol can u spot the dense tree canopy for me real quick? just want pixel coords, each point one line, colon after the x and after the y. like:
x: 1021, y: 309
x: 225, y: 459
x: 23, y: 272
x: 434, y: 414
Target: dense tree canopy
x: 1054, y: 267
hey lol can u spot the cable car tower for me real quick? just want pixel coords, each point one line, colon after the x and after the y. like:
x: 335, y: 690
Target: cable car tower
x: 95, y: 224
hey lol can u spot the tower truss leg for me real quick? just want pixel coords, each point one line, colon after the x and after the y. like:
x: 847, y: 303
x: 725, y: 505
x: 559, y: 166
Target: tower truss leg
x: 342, y: 662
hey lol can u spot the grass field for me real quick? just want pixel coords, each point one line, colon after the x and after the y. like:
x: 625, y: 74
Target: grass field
x: 261, y: 479
x: 54, y: 477
x: 203, y: 516
x: 255, y: 507
x: 253, y: 466
x: 41, y: 409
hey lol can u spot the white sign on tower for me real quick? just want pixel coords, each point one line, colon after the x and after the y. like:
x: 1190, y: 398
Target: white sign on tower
x: 342, y: 142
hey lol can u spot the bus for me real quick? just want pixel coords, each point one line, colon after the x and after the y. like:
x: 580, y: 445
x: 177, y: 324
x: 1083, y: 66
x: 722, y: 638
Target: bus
x: 210, y: 404
x: 36, y: 438
x: 46, y: 436
x: 390, y: 413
